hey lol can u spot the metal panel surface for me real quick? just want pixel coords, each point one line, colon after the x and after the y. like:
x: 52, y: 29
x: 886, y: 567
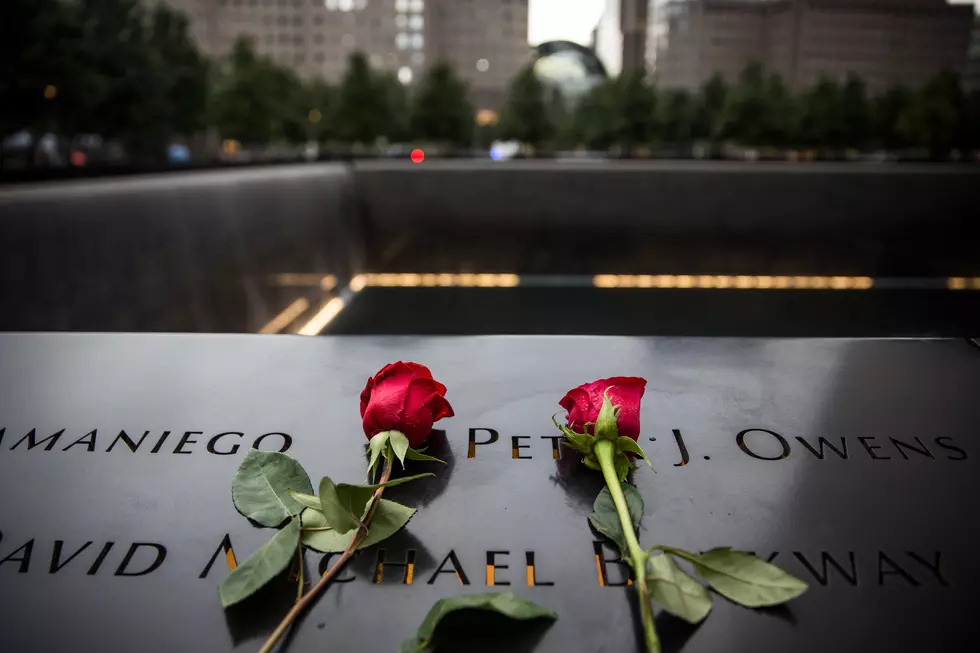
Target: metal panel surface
x: 883, y: 525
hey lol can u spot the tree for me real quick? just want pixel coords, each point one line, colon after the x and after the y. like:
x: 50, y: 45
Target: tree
x: 526, y: 117
x: 711, y: 108
x: 759, y: 110
x: 678, y: 116
x: 886, y: 110
x: 361, y: 106
x: 593, y: 119
x: 855, y: 113
x: 441, y: 112
x: 820, y: 120
x: 396, y: 109
x: 321, y: 98
x: 636, y: 102
x: 39, y: 76
x: 934, y: 120
x: 243, y: 106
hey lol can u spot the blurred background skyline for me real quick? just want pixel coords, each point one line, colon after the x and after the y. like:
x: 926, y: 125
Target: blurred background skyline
x: 699, y: 167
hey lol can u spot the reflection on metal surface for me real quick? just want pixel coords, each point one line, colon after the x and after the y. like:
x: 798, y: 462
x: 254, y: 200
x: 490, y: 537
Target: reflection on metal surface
x: 430, y: 280
x: 740, y: 282
x: 323, y: 317
x: 286, y: 317
x: 963, y: 283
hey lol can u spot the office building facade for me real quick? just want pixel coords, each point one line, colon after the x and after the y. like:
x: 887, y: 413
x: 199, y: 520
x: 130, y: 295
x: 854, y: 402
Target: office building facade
x: 886, y: 42
x: 484, y: 40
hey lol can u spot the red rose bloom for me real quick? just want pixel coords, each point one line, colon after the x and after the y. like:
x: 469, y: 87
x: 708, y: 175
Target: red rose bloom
x: 403, y: 397
x: 584, y: 402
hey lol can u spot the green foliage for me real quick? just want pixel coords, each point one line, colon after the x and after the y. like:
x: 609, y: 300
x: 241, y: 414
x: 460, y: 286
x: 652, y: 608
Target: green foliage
x: 388, y: 519
x: 593, y: 119
x: 936, y: 119
x: 710, y: 109
x: 675, y: 591
x: 261, y: 567
x: 260, y: 490
x: 743, y: 578
x: 679, y: 115
x: 118, y: 69
x: 606, y: 427
x: 527, y: 115
x: 361, y: 105
x: 855, y: 114
x: 344, y: 504
x: 413, y: 454
x: 399, y: 445
x: 759, y: 110
x: 886, y: 111
x: 605, y: 519
x: 636, y: 111
x: 441, y: 113
x: 507, y: 604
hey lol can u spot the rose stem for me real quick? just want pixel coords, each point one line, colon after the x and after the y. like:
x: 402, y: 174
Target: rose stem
x: 604, y: 451
x: 328, y: 575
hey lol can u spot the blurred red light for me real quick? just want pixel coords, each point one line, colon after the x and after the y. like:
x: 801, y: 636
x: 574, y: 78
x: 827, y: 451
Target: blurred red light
x: 418, y: 156
x: 79, y: 159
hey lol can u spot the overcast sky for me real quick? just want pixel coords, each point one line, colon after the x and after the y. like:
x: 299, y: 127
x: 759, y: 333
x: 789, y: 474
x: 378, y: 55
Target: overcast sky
x: 573, y: 20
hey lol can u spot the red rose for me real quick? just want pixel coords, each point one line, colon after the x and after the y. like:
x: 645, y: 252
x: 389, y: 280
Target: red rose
x: 403, y: 397
x: 583, y: 404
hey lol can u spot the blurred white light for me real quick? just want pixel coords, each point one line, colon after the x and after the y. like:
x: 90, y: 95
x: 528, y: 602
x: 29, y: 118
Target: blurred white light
x: 345, y: 5
x: 362, y: 4
x: 483, y: 65
x: 331, y: 5
x: 401, y: 40
x: 416, y: 22
x: 401, y: 5
x: 417, y: 41
x: 417, y: 5
x: 405, y: 75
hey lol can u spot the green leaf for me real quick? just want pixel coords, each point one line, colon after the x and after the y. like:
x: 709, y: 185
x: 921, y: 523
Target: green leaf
x: 507, y: 604
x: 591, y: 462
x: 261, y: 487
x: 623, y: 467
x: 399, y: 444
x: 605, y: 519
x: 389, y: 518
x: 412, y: 454
x: 339, y: 515
x: 260, y: 567
x: 343, y: 504
x: 745, y: 579
x: 605, y: 424
x: 308, y: 500
x: 375, y: 446
x: 675, y: 591
x: 624, y: 444
x: 581, y: 442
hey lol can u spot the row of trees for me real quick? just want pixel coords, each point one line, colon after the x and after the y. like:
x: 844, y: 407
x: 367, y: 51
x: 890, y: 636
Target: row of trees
x: 255, y: 101
x: 111, y: 67
x: 758, y: 110
x: 130, y: 71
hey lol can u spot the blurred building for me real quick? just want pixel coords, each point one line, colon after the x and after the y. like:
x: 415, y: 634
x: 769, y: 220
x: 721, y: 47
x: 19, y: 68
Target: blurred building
x: 971, y: 77
x: 620, y: 38
x: 886, y: 42
x: 485, y: 40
